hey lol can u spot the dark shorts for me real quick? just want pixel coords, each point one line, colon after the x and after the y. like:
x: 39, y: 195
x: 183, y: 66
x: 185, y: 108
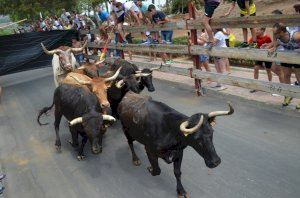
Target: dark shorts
x: 121, y: 19
x: 210, y: 8
x: 129, y: 38
x: 268, y: 65
x: 290, y: 65
x: 254, y: 14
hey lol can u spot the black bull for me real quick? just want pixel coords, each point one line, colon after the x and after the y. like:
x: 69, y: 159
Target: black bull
x: 82, y: 109
x: 165, y: 133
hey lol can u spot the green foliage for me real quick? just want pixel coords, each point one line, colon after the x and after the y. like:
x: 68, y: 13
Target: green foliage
x: 30, y: 9
x: 183, y: 40
x: 6, y: 32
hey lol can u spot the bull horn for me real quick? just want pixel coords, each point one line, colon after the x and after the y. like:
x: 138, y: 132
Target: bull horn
x: 108, y: 118
x: 114, y: 76
x: 82, y: 82
x: 138, y: 71
x: 191, y: 130
x: 221, y: 113
x: 81, y: 68
x: 156, y: 68
x: 120, y: 84
x: 50, y: 52
x: 79, y: 49
x: 142, y: 74
x: 76, y: 121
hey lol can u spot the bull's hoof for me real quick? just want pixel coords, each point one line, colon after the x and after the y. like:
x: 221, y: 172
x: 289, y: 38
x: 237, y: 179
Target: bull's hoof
x: 73, y: 145
x: 80, y: 157
x: 136, y: 162
x: 58, y: 148
x: 184, y: 196
x: 153, y: 172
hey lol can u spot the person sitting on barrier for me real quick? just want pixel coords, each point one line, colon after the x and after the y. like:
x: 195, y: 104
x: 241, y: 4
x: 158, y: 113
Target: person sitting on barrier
x: 220, y: 62
x: 210, y: 6
x: 78, y: 55
x: 158, y: 17
x: 102, y: 17
x: 247, y: 8
x: 290, y: 41
x: 261, y: 39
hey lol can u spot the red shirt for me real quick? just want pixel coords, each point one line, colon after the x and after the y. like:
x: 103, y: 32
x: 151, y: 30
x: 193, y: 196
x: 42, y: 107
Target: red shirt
x: 262, y: 40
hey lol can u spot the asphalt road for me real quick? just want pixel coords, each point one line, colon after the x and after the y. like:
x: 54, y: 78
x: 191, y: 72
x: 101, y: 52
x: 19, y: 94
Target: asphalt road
x: 259, y: 148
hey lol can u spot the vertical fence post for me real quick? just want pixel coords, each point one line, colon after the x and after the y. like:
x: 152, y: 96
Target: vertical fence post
x: 196, y: 61
x: 121, y: 51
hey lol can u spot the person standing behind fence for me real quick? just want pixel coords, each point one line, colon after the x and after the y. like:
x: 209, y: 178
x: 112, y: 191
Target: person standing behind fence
x: 220, y: 62
x: 78, y: 55
x: 209, y: 6
x: 102, y: 16
x: 290, y: 41
x: 160, y: 18
x: 247, y: 8
x: 261, y: 40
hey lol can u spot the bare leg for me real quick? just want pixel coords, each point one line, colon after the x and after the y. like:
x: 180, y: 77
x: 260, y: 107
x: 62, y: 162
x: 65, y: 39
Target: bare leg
x: 278, y: 71
x: 208, y: 28
x: 256, y: 72
x: 269, y: 73
x: 245, y: 34
x: 153, y: 159
x: 253, y: 33
x: 287, y: 72
x: 297, y: 74
x: 177, y: 172
x: 228, y: 65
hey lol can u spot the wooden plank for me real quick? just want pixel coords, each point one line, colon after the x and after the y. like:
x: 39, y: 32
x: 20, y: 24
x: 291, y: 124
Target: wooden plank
x: 270, y: 87
x: 237, y: 22
x: 247, y: 54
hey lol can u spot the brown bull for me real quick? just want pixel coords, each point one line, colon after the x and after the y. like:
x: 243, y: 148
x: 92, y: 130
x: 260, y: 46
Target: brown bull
x: 97, y: 85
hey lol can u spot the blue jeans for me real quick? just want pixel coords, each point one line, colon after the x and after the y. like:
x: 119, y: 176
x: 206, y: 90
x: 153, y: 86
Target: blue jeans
x: 167, y: 36
x: 79, y: 58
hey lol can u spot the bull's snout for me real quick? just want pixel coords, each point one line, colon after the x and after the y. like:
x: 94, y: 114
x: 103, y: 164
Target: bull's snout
x: 105, y: 105
x: 213, y: 163
x: 151, y: 89
x: 96, y: 149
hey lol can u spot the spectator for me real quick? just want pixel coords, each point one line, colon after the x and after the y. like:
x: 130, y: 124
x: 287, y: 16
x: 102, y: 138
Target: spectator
x: 78, y: 55
x: 220, y: 62
x: 202, y: 41
x: 146, y: 17
x: 90, y: 24
x: 150, y: 40
x: 103, y: 16
x: 64, y: 16
x: 247, y: 8
x: 133, y: 12
x: 159, y: 17
x: 118, y: 12
x: 262, y: 39
x: 209, y: 6
x: 290, y: 41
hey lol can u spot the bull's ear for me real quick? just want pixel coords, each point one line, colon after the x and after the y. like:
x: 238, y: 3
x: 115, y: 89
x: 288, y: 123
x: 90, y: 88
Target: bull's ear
x: 108, y: 84
x: 212, y: 121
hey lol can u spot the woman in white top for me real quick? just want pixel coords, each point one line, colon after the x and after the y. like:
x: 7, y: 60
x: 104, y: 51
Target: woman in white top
x: 220, y: 62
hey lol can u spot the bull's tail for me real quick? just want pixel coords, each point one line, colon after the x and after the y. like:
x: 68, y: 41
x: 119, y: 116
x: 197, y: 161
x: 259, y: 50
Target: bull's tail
x: 44, y: 111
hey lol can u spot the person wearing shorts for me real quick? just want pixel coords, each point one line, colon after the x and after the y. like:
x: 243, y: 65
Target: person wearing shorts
x: 209, y: 6
x: 247, y: 8
x: 290, y: 41
x: 262, y: 39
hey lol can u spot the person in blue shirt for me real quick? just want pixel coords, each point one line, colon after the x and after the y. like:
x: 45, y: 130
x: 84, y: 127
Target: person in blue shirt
x: 103, y: 16
x: 143, y: 6
x: 158, y: 17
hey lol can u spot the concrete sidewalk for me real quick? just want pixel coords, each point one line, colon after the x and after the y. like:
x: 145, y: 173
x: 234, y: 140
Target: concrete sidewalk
x: 262, y: 98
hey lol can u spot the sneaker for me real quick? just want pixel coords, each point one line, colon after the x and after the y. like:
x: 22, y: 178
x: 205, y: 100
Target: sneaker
x: 1, y: 190
x: 244, y: 44
x: 298, y: 106
x: 124, y: 43
x: 209, y: 46
x: 287, y: 100
x: 2, y: 176
x: 296, y: 83
x: 252, y: 91
x: 253, y: 45
x: 275, y: 95
x: 169, y: 62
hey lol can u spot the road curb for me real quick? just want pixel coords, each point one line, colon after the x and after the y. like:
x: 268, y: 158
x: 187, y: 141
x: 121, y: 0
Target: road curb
x: 236, y: 98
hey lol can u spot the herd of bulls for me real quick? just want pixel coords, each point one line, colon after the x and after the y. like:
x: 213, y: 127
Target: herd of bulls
x: 91, y: 100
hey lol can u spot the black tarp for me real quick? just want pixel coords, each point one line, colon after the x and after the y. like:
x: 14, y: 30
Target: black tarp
x: 21, y: 52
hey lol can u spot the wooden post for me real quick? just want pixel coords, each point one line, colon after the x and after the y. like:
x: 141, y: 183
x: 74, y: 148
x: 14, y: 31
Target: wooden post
x: 196, y: 61
x: 120, y: 40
